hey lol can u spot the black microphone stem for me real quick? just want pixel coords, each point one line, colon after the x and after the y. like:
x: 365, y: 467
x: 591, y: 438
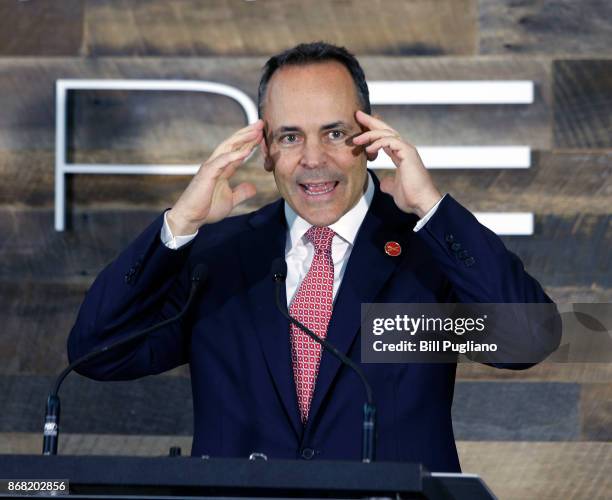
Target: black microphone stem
x: 52, y: 413
x: 368, y: 445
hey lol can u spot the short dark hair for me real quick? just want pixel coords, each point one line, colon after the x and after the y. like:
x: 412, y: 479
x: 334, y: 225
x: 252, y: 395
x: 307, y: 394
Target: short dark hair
x: 315, y: 52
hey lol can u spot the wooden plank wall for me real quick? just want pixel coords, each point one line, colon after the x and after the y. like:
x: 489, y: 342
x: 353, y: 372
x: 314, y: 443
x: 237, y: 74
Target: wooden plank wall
x: 552, y: 438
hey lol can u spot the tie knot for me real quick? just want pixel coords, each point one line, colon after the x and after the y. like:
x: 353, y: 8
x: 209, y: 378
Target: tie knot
x: 321, y: 238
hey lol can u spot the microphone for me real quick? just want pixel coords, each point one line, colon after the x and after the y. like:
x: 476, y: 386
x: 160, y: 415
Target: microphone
x: 368, y: 442
x: 52, y: 413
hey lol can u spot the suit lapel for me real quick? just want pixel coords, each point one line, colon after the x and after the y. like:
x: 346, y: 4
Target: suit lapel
x: 258, y: 249
x: 368, y: 269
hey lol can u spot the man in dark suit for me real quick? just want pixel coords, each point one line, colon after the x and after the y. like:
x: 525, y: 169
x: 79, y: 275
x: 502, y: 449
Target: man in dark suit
x: 259, y: 385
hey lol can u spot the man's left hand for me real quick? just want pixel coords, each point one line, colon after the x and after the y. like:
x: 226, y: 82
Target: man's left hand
x: 411, y: 186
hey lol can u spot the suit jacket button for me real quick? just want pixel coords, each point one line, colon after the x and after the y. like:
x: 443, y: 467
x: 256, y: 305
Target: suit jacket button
x: 449, y: 238
x: 307, y: 453
x: 455, y: 247
x: 129, y: 276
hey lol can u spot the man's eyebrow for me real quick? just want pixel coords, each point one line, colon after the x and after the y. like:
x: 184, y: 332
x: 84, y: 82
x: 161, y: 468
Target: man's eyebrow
x: 284, y: 129
x: 337, y: 124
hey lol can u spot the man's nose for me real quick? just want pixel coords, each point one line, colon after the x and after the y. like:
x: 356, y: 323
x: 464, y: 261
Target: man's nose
x: 313, y: 154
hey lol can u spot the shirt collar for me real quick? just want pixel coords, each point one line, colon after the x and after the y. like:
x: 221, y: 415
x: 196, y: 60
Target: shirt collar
x: 346, y: 227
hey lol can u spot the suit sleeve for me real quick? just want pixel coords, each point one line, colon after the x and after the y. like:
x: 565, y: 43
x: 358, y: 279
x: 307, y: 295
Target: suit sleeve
x: 481, y: 270
x: 146, y: 284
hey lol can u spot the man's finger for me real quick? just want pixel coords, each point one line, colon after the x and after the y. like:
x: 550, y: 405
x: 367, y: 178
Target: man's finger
x: 390, y: 142
x: 253, y: 129
x: 229, y: 170
x: 216, y: 167
x: 239, y: 136
x: 258, y: 125
x: 237, y: 141
x: 372, y: 135
x: 242, y: 192
x: 370, y: 122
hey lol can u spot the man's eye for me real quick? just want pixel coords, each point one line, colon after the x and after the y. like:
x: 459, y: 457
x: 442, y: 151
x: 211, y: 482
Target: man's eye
x: 289, y: 139
x: 336, y: 134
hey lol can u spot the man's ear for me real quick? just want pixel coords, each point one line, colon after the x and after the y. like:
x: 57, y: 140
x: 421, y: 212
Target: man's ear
x: 268, y: 164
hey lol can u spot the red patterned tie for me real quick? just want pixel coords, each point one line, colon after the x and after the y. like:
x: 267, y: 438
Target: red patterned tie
x: 312, y: 306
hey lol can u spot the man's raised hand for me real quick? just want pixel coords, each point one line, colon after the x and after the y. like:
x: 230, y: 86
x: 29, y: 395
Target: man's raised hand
x: 209, y: 198
x: 411, y: 186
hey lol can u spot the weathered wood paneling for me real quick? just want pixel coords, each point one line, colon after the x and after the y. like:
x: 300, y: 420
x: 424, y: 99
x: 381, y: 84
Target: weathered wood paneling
x: 565, y: 250
x: 37, y: 317
x: 596, y: 411
x: 583, y: 102
x: 30, y: 443
x: 43, y: 275
x: 546, y: 471
x: 514, y: 411
x: 27, y: 93
x: 502, y: 411
x: 545, y: 26
x: 179, y: 126
x: 41, y: 28
x: 556, y: 184
x: 151, y: 405
x: 36, y: 320
x: 575, y: 294
x: 226, y: 27
x: 583, y: 373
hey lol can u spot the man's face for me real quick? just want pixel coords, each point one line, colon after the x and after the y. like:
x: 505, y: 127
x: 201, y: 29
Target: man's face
x: 309, y: 116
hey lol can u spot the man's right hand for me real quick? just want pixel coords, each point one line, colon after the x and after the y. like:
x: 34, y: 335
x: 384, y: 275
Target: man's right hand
x: 209, y: 197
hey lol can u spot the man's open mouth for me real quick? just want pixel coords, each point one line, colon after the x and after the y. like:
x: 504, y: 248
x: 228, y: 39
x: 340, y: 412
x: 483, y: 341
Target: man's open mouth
x: 319, y: 188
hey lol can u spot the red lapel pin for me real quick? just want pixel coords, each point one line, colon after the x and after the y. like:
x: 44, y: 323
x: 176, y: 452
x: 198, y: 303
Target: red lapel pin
x: 393, y: 248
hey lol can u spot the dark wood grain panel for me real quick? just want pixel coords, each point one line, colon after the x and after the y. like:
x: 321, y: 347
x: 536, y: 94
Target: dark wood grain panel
x: 30, y: 443
x: 545, y: 27
x: 556, y: 184
x: 36, y: 321
x: 583, y: 373
x: 565, y: 250
x: 28, y: 181
x: 575, y: 294
x: 28, y: 102
x: 546, y: 471
x: 41, y: 28
x: 583, y: 103
x: 153, y: 125
x: 150, y: 405
x: 37, y: 317
x: 516, y: 411
x: 504, y: 411
x: 596, y: 411
x: 186, y: 126
x: 225, y: 27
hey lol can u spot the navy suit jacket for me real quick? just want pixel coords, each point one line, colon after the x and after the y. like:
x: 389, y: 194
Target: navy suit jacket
x: 237, y: 343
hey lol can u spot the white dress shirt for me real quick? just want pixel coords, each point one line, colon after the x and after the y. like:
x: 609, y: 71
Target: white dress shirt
x: 299, y: 252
